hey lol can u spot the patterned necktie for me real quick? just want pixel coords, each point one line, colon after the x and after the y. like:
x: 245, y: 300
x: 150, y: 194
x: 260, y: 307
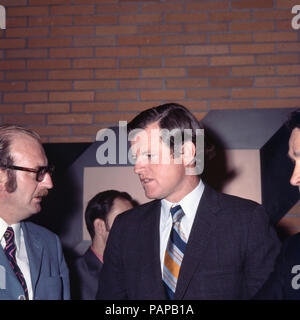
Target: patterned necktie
x: 174, y: 253
x: 10, y: 252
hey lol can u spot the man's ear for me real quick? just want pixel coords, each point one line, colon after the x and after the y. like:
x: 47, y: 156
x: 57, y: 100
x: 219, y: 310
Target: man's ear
x: 188, y: 153
x: 99, y: 226
x: 3, y: 179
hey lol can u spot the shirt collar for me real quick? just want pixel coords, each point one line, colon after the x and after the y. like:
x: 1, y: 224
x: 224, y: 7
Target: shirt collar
x: 189, y: 203
x: 17, y: 231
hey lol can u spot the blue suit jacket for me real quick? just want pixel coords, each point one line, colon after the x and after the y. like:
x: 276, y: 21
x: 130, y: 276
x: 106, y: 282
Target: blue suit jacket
x: 230, y: 252
x: 284, y: 282
x: 48, y: 269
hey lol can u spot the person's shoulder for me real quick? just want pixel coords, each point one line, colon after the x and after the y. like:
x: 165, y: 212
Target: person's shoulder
x: 39, y: 231
x: 141, y: 209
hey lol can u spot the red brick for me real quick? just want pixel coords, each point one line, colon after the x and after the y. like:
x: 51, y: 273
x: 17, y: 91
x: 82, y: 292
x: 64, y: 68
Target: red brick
x: 12, y: 86
x: 162, y: 7
x: 170, y: 95
x: 47, y: 108
x: 288, y: 47
x: 49, y: 42
x: 117, y: 8
x: 70, y: 118
x: 71, y: 10
x: 115, y: 30
x: 231, y: 60
x: 49, y: 2
x: 71, y: 53
x: 230, y: 82
x: 71, y: 74
x: 26, y: 32
x: 139, y: 40
x: 206, y: 49
x: 277, y: 81
x: 95, y: 20
x: 51, y: 130
x: 50, y: 21
x: 275, y: 36
x: 26, y: 97
x: 93, y: 106
x: 251, y: 4
x: 16, y: 22
x: 141, y: 84
x: 289, y: 70
x: 284, y: 25
x: 196, y: 105
x: 277, y: 59
x: 207, y: 94
x: 163, y: 72
x: 230, y: 37
x: 94, y: 41
x: 11, y: 108
x: 24, y: 119
x: 26, y: 53
x: 230, y: 16
x: 117, y: 74
x: 140, y: 62
x: 186, y: 83
x: 94, y: 63
x: 70, y: 139
x: 277, y: 103
x: 86, y: 130
x: 8, y: 3
x: 116, y: 95
x: 286, y: 3
x: 12, y: 43
x: 253, y: 71
x: 12, y: 64
x: 254, y: 93
x: 289, y: 92
x: 117, y: 52
x: 184, y: 39
x: 27, y: 11
x: 72, y: 96
x: 140, y: 18
x: 186, y: 61
x: 113, y: 117
x: 231, y: 104
x: 207, y: 5
x: 209, y: 72
x: 95, y: 85
x: 49, y: 64
x: 206, y: 27
x: 161, y: 28
x: 185, y: 17
x: 272, y: 14
x: 162, y: 51
x: 252, y: 26
x: 26, y: 75
x: 252, y: 48
x: 71, y: 31
x: 49, y: 85
x: 135, y: 105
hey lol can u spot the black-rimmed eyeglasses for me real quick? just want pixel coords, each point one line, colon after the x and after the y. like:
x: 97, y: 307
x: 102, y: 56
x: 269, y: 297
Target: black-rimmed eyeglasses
x: 40, y: 172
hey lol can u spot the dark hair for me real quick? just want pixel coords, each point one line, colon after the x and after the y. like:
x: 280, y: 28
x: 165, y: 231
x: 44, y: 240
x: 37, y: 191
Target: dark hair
x: 7, y: 133
x: 169, y: 116
x: 294, y: 120
x: 100, y: 205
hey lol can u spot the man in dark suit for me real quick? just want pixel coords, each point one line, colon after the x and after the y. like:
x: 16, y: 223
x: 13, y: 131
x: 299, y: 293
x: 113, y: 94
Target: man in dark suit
x: 284, y: 282
x: 100, y: 214
x: 32, y: 265
x: 191, y: 242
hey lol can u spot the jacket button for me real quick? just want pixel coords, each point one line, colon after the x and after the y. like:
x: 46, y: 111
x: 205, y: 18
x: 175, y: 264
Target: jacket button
x: 21, y: 297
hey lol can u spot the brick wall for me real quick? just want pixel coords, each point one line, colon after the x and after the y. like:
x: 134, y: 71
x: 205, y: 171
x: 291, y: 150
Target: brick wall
x: 70, y: 67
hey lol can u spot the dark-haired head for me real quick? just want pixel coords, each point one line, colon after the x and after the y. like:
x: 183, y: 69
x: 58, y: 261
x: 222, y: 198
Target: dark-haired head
x: 294, y: 120
x: 100, y: 206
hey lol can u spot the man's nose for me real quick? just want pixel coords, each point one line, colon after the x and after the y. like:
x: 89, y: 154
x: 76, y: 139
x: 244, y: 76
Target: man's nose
x: 295, y: 178
x: 47, y: 181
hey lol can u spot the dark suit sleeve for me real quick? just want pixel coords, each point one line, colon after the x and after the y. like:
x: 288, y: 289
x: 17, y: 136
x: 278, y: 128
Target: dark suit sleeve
x: 262, y: 249
x: 112, y: 280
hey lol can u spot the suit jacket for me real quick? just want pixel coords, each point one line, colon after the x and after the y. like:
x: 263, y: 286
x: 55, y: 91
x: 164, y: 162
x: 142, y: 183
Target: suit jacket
x: 85, y: 276
x: 284, y: 281
x: 229, y: 254
x: 48, y: 270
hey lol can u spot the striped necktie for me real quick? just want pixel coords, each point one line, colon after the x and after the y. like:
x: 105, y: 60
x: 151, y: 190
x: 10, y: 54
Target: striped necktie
x: 174, y: 253
x: 10, y: 252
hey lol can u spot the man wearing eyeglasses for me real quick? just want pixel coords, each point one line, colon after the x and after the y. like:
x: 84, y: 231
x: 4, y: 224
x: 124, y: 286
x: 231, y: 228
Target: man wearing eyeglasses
x: 32, y: 265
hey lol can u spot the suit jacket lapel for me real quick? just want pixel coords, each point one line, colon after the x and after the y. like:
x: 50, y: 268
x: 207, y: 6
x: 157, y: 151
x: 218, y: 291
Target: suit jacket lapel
x: 198, y: 239
x: 34, y: 252
x: 150, y: 281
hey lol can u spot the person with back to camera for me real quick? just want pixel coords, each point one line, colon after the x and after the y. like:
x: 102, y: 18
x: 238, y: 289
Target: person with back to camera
x: 100, y: 214
x: 190, y: 242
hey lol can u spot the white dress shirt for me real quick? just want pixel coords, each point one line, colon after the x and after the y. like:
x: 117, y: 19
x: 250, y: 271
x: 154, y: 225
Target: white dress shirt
x: 21, y: 253
x: 189, y: 205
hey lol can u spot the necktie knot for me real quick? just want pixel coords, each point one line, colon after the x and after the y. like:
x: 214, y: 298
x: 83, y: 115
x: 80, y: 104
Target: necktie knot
x: 177, y: 214
x: 9, y: 235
